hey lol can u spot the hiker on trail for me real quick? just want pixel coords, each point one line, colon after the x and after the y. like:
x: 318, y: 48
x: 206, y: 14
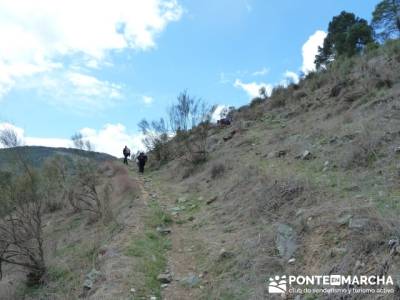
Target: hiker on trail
x: 127, y: 153
x: 141, y: 159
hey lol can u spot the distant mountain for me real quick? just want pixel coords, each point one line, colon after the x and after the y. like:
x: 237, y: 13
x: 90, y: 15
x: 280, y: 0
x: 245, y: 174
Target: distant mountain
x: 37, y: 155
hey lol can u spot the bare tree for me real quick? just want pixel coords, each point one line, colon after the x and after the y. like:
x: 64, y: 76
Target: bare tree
x: 80, y: 142
x: 156, y: 137
x: 21, y: 236
x: 84, y: 195
x: 195, y: 141
x: 9, y: 138
x: 185, y: 113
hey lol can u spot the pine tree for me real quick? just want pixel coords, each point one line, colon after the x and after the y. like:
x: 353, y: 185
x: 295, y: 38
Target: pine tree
x: 386, y: 20
x: 347, y: 36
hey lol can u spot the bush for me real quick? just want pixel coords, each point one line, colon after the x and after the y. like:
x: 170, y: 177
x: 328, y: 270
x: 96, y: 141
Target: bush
x: 217, y: 170
x: 21, y: 235
x: 84, y: 195
x: 364, y: 150
x: 256, y: 101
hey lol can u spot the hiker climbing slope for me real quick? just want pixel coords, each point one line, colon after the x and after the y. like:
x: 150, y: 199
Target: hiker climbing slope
x: 127, y: 153
x: 141, y: 159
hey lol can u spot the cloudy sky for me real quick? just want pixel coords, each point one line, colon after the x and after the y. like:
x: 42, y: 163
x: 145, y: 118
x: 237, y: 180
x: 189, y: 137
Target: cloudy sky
x: 100, y: 66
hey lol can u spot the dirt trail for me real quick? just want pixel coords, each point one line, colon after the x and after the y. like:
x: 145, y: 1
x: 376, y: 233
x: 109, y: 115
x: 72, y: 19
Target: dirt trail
x: 181, y: 257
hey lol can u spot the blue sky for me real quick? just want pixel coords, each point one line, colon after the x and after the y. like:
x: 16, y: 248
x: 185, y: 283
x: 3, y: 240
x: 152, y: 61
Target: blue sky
x: 99, y: 67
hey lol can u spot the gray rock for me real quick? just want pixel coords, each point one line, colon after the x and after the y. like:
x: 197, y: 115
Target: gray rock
x: 163, y: 230
x: 338, y: 251
x: 286, y: 240
x: 300, y: 212
x: 352, y: 188
x: 164, y: 278
x: 344, y: 220
x: 393, y: 243
x: 397, y: 150
x: 90, y: 279
x: 358, y: 223
x: 93, y: 274
x: 190, y: 281
x: 176, y: 209
x: 306, y: 155
x: 292, y: 261
x: 212, y: 200
x: 272, y: 154
x: 88, y: 284
x: 182, y: 199
x: 223, y: 254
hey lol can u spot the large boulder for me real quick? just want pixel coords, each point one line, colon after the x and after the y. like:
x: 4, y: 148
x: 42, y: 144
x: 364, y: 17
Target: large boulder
x: 286, y: 240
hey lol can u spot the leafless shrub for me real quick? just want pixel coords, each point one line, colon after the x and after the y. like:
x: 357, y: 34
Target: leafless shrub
x: 195, y: 144
x: 84, y: 195
x: 107, y: 214
x: 186, y: 113
x: 9, y: 138
x: 81, y: 143
x: 363, y: 150
x: 156, y: 137
x: 278, y: 96
x: 217, y: 170
x: 55, y: 183
x: 256, y: 101
x: 127, y: 185
x: 21, y: 236
x: 299, y: 94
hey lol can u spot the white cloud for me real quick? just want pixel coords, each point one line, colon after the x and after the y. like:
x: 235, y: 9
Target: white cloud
x: 110, y: 139
x: 217, y: 113
x: 253, y: 88
x: 310, y: 50
x: 74, y: 89
x: 289, y: 77
x: 48, y: 142
x: 36, y: 35
x: 147, y: 100
x: 90, y: 86
x: 262, y: 72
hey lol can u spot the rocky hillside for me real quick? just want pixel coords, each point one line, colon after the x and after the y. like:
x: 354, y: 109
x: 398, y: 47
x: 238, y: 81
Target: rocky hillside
x: 305, y: 182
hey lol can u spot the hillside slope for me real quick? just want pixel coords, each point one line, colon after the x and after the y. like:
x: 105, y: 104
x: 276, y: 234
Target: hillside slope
x: 37, y: 155
x: 306, y: 182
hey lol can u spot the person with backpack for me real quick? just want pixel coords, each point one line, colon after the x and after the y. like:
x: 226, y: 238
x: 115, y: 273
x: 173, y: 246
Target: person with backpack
x: 141, y: 160
x: 127, y: 153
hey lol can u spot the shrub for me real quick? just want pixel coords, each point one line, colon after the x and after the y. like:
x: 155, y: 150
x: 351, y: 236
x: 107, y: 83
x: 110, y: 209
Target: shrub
x: 217, y: 170
x: 256, y: 101
x: 364, y: 150
x: 84, y: 195
x: 21, y: 236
